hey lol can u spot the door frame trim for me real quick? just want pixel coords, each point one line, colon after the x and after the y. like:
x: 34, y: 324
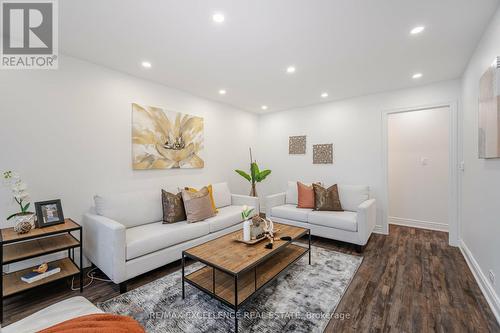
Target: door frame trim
x: 453, y: 188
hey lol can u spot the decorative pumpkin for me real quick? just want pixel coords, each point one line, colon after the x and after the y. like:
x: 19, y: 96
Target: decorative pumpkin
x: 42, y: 268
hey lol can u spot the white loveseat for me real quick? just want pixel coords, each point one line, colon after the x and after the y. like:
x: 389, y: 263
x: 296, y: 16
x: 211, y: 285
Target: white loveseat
x: 124, y: 235
x: 354, y: 225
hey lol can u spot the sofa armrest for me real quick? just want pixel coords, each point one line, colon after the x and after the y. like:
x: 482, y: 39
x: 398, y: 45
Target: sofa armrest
x: 105, y: 245
x: 273, y: 201
x: 53, y: 314
x: 367, y: 218
x: 241, y: 200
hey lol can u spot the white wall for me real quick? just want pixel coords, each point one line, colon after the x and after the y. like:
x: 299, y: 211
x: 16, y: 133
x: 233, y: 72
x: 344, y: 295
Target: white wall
x: 68, y: 133
x: 354, y: 126
x: 418, y: 165
x: 481, y: 179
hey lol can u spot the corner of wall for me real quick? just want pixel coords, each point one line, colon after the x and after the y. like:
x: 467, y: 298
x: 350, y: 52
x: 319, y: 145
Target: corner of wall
x: 485, y: 286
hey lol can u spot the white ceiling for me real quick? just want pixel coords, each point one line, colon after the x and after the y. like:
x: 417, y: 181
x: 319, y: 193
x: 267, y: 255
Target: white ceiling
x: 345, y: 47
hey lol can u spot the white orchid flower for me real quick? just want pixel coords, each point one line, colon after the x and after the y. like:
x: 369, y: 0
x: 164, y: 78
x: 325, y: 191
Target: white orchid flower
x: 19, y: 191
x: 22, y: 196
x: 245, y: 207
x: 20, y: 186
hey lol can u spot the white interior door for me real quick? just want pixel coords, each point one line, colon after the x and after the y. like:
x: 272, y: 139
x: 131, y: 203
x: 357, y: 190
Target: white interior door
x: 418, y: 168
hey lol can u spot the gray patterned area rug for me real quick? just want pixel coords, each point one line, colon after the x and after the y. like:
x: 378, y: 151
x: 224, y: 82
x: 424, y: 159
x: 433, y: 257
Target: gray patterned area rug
x: 302, y: 299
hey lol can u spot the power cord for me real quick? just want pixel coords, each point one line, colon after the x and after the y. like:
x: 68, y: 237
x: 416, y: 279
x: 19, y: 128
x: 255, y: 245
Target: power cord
x: 91, y: 276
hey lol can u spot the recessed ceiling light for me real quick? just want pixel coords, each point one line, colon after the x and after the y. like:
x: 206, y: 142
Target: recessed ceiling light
x: 417, y: 30
x: 264, y: 107
x: 146, y: 64
x: 417, y: 75
x: 218, y: 17
x: 290, y: 69
x: 324, y: 95
x: 222, y: 92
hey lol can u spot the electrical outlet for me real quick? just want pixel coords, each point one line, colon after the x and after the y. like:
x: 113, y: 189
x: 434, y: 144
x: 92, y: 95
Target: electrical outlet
x: 491, y: 275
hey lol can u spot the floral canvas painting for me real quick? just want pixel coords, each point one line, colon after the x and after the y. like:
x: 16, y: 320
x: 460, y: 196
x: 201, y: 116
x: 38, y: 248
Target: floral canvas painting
x: 163, y: 139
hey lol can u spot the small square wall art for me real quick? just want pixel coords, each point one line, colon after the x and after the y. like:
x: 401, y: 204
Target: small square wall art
x: 297, y: 145
x: 323, y: 154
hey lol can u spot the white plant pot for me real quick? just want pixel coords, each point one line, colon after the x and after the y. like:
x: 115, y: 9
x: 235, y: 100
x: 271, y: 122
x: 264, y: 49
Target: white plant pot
x: 21, y: 221
x: 246, y: 230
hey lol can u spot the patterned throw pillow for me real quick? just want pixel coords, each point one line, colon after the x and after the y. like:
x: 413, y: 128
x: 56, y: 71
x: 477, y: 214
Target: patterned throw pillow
x: 173, y: 207
x: 327, y: 199
x: 197, y: 205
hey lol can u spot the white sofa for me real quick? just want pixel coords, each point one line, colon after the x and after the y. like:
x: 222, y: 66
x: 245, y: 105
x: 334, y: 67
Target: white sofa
x: 124, y: 235
x: 52, y: 315
x: 354, y: 225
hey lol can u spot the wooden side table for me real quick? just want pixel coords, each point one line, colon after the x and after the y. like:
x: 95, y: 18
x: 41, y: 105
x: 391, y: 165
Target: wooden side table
x: 37, y: 242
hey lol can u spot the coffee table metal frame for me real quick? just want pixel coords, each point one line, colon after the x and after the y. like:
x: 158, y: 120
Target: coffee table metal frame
x: 235, y: 276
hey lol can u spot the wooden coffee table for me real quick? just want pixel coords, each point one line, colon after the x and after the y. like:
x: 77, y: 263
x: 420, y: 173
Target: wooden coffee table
x: 235, y: 271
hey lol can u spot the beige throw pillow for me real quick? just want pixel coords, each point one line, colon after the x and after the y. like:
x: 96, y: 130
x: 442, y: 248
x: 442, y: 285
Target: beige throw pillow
x: 197, y: 205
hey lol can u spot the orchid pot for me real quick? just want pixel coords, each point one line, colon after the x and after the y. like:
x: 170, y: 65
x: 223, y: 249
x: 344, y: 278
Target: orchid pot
x: 24, y: 220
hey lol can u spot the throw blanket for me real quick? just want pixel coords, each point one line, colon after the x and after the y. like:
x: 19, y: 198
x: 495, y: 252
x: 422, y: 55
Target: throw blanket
x: 97, y: 323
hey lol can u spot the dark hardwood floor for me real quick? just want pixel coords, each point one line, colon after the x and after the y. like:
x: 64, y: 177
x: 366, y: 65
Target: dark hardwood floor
x: 409, y: 281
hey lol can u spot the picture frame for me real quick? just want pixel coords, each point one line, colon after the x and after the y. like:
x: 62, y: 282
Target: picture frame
x: 48, y: 213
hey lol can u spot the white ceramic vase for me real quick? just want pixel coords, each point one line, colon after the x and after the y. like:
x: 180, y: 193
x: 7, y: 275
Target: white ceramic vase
x: 246, y: 230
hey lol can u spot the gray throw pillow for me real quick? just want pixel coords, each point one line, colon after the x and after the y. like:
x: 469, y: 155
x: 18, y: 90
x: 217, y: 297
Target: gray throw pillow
x: 197, y: 205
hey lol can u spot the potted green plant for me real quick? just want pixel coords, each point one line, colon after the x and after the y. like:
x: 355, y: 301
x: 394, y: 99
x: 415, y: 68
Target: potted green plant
x: 23, y: 219
x: 255, y: 176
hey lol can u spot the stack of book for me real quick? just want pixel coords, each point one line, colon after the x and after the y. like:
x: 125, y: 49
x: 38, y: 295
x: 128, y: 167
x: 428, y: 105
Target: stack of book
x: 35, y: 276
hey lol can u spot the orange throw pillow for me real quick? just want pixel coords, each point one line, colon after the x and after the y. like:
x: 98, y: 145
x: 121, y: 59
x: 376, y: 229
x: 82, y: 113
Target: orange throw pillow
x: 306, y: 195
x: 210, y: 195
x: 101, y: 323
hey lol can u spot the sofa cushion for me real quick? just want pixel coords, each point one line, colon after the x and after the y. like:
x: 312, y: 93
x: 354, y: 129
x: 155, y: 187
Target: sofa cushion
x: 152, y: 237
x: 292, y: 196
x: 131, y: 208
x: 222, y: 195
x: 338, y: 220
x: 351, y: 196
x: 227, y: 217
x: 290, y: 212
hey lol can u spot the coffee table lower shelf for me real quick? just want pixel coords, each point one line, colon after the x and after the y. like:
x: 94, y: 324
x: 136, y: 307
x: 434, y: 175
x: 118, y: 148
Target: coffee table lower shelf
x: 222, y: 285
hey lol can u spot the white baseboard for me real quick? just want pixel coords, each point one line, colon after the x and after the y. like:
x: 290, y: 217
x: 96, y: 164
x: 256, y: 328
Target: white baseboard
x: 418, y: 224
x: 379, y: 230
x: 484, y: 284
